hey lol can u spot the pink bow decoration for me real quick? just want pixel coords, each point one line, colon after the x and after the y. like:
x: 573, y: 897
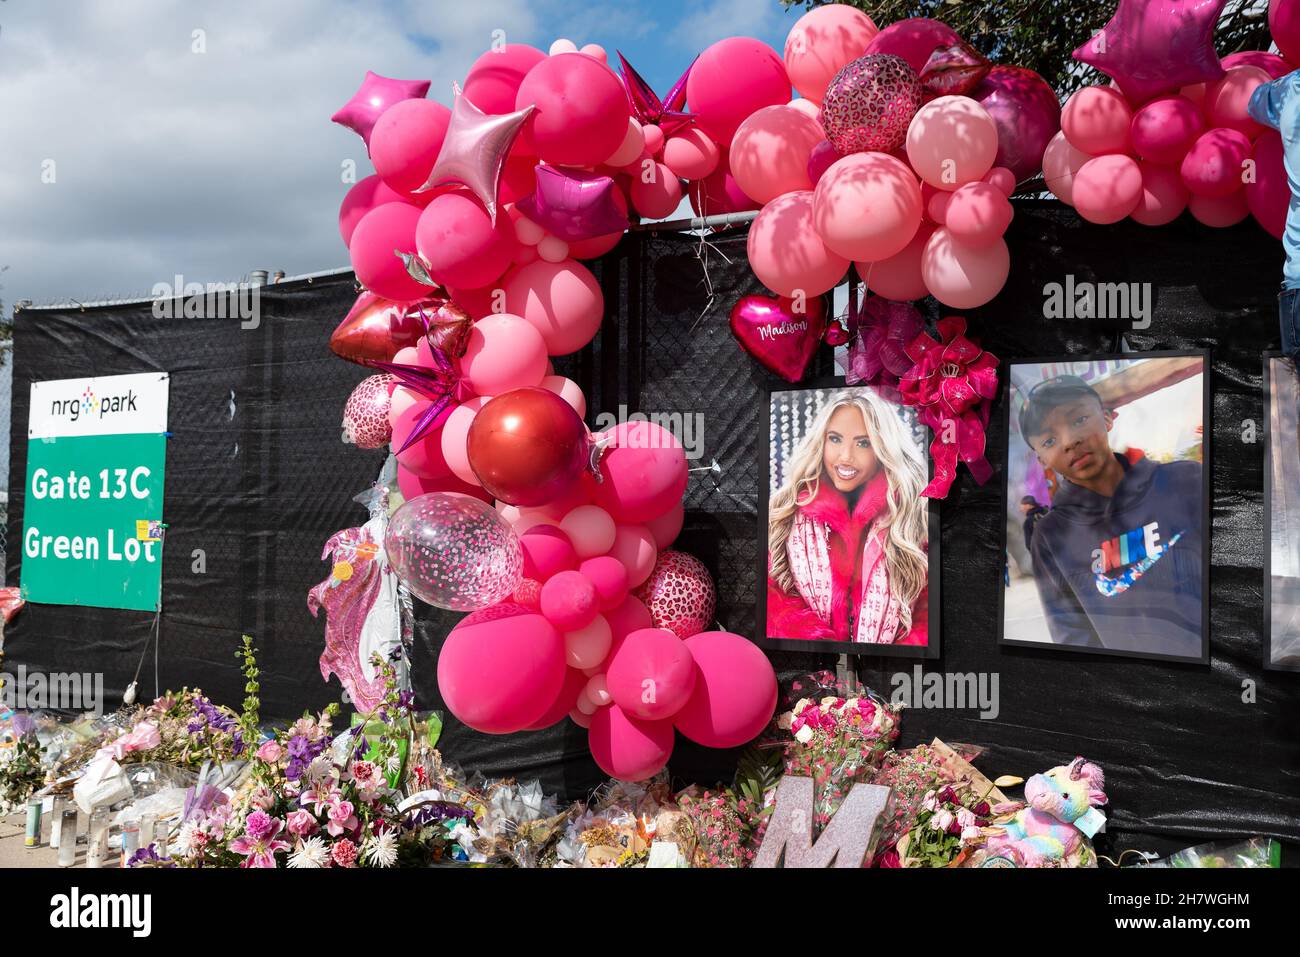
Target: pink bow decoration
x: 878, y: 355
x: 952, y: 382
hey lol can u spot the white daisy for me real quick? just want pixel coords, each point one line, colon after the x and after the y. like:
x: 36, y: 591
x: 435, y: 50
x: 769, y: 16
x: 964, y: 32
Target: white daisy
x: 310, y: 852
x: 381, y: 850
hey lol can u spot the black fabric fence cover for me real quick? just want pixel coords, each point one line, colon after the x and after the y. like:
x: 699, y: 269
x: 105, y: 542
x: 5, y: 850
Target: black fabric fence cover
x: 259, y: 480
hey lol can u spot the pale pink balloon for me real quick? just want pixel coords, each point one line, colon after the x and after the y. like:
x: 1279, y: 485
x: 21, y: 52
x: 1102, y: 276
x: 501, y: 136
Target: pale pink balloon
x: 569, y: 391
x: 1268, y: 194
x: 867, y: 206
x: 580, y: 718
x: 1164, y: 197
x: 643, y: 472
x: 1226, y: 99
x: 1215, y: 165
x: 629, y: 151
x: 595, y: 51
x: 502, y: 353
x: 408, y: 356
x: 423, y: 457
x: 667, y: 526
x: 493, y: 80
x: 458, y: 240
x: 963, y: 276
x: 1096, y: 120
x: 527, y: 232
x: 936, y: 202
x: 364, y: 196
x: 656, y: 191
x: 563, y: 300
x: 553, y: 249
x: 811, y: 107
x: 786, y: 252
x: 591, y: 530
x: 651, y: 675
x: 735, y: 691
x: 690, y: 154
x: 769, y: 153
x: 731, y: 80
x: 627, y: 748
x: 1061, y: 161
x: 454, y: 436
x: 978, y: 214
x: 635, y: 548
x: 1219, y: 211
x: 385, y: 228
x: 582, y: 110
x: 584, y: 703
x: 563, y: 45
x: 1107, y: 188
x: 405, y: 142
x: 951, y: 141
x: 587, y: 647
x: 899, y: 277
x: 822, y: 42
x: 598, y: 690
x: 1003, y: 178
x: 1164, y: 130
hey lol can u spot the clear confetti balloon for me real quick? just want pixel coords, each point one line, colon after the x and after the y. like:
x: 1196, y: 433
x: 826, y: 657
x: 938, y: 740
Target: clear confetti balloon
x: 454, y: 551
x: 870, y: 103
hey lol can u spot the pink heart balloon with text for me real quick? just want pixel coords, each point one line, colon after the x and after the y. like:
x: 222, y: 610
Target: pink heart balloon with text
x: 780, y: 333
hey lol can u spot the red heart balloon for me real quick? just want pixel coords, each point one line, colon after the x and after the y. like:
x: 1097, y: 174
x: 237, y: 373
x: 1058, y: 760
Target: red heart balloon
x: 376, y: 328
x: 773, y: 332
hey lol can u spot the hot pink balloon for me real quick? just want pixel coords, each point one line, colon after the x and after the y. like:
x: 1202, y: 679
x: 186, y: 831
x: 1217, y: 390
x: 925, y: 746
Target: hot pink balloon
x: 629, y: 616
x: 735, y: 691
x: 377, y: 94
x: 1164, y: 197
x: 1226, y: 99
x: 381, y: 231
x: 732, y: 79
x: 565, y: 701
x: 609, y: 577
x: 822, y: 158
x: 361, y: 199
x: 914, y: 39
x: 1214, y: 166
x: 952, y: 141
x: 423, y: 456
x: 821, y: 42
x: 493, y: 80
x: 656, y: 192
x: 1096, y: 119
x: 569, y: 601
x: 978, y: 214
x: 406, y: 141
x: 652, y: 675
x: 1107, y: 188
x: 770, y: 151
x: 1003, y: 179
x: 690, y: 154
x: 899, y: 277
x: 582, y: 110
x: 455, y: 433
x: 1061, y: 162
x: 634, y: 546
x: 1284, y: 25
x: 644, y: 473
x: 787, y: 253
x: 503, y: 352
x: 963, y: 276
x: 1268, y: 195
x: 547, y: 552
x: 562, y: 300
x: 867, y: 206
x: 1026, y: 112
x: 627, y: 748
x: 1271, y: 63
x: 667, y: 526
x: 1164, y: 130
x: 575, y: 205
x: 1219, y: 211
x: 458, y: 240
x: 501, y: 669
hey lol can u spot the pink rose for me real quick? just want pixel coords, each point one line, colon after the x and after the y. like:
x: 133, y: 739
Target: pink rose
x: 302, y: 823
x: 342, y: 820
x: 270, y: 752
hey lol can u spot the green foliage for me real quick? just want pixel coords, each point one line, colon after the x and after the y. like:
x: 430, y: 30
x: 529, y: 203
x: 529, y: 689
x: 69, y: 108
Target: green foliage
x: 757, y: 771
x: 1041, y: 34
x: 250, y: 719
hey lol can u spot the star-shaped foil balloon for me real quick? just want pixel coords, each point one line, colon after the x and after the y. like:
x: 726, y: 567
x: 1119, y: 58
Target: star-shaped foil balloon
x: 648, y: 109
x: 448, y: 335
x: 475, y: 148
x: 377, y: 94
x: 574, y: 204
x: 1150, y: 47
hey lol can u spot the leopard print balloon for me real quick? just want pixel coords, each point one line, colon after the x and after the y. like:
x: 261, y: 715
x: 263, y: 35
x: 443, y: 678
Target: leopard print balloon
x: 365, y: 417
x: 870, y: 103
x: 679, y: 594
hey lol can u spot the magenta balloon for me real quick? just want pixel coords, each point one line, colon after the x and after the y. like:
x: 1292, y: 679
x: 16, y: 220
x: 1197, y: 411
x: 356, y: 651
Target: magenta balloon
x: 582, y: 110
x: 493, y: 80
x: 574, y: 682
x: 643, y: 470
x: 822, y: 158
x: 501, y: 669
x: 735, y: 691
x: 405, y: 142
x: 914, y: 40
x: 381, y: 231
x: 1268, y: 196
x: 1026, y: 113
x: 652, y: 675
x: 376, y: 94
x: 1284, y: 25
x: 977, y: 214
x: 569, y: 601
x: 361, y: 199
x: 1164, y: 130
x: 1271, y: 63
x: 719, y: 193
x: 1213, y: 166
x: 609, y: 577
x: 731, y: 80
x: 547, y: 552
x: 628, y: 616
x: 1164, y: 197
x: 458, y: 240
x: 627, y: 748
x: 1219, y: 211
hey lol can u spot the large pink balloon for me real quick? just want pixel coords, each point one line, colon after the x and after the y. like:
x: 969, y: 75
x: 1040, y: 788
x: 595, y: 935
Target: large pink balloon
x: 719, y: 192
x: 769, y: 153
x: 786, y: 252
x: 1268, y: 195
x: 412, y: 486
x: 656, y: 191
x: 1061, y: 162
x: 643, y: 472
x: 493, y: 80
x: 382, y: 230
x: 1271, y: 63
x: 1025, y: 111
x: 628, y: 616
x: 361, y: 199
x: 652, y: 675
x: 735, y: 691
x: 963, y: 276
x: 1164, y: 130
x: 1215, y: 164
x: 977, y: 214
x: 899, y: 277
x: 1284, y: 25
x: 952, y: 141
x: 634, y: 546
x: 461, y: 244
x: 1107, y: 188
x: 1096, y: 119
x: 667, y: 526
x: 455, y: 437
x: 627, y: 748
x: 1226, y: 99
x: 582, y: 110
x: 867, y: 206
x: 501, y: 669
x: 405, y: 142
x: 732, y: 79
x: 503, y: 352
x: 574, y: 682
x: 563, y: 300
x: 1219, y: 211
x: 914, y: 40
x: 424, y: 456
x: 1163, y: 198
x: 822, y: 42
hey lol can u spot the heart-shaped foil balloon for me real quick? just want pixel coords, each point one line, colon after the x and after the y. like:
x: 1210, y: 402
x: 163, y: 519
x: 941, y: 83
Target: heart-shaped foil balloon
x: 954, y: 70
x: 784, y: 339
x: 376, y: 328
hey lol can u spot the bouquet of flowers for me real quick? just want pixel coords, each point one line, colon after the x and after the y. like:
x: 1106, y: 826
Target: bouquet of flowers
x: 946, y: 829
x: 728, y: 826
x: 21, y: 774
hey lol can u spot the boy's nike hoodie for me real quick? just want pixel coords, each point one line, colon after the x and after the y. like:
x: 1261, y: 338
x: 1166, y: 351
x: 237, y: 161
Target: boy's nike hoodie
x: 1124, y: 573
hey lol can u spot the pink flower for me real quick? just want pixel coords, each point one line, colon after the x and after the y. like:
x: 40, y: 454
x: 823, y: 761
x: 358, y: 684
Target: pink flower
x: 262, y: 798
x: 271, y: 752
x: 942, y: 819
x: 318, y: 798
x: 344, y: 853
x: 259, y: 842
x: 342, y: 820
x: 889, y: 858
x: 260, y: 826
x: 367, y: 775
x: 302, y: 823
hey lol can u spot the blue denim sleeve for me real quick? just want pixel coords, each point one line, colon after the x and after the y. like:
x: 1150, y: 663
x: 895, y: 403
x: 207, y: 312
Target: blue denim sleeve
x: 1266, y: 102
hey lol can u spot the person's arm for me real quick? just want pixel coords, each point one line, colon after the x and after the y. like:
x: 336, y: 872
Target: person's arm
x: 788, y: 616
x: 1266, y: 102
x: 1066, y: 620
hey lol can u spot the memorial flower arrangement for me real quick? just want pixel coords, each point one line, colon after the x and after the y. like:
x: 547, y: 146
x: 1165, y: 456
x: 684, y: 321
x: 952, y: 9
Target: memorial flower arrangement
x: 948, y: 826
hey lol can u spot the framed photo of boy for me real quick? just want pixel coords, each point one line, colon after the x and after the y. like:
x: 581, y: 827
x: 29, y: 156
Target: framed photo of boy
x: 1282, y: 506
x: 848, y: 547
x: 1107, y: 495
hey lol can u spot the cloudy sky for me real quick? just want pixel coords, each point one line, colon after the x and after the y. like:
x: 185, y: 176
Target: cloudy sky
x: 127, y: 156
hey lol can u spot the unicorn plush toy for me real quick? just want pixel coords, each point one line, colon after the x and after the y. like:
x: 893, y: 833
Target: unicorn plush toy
x: 1055, y: 828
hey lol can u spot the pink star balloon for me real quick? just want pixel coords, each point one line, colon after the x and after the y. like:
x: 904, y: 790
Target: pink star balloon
x: 648, y: 109
x: 1152, y: 47
x: 475, y: 148
x: 574, y: 204
x: 377, y: 94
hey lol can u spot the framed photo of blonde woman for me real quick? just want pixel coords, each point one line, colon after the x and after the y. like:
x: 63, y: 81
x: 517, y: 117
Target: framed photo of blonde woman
x: 849, y: 548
